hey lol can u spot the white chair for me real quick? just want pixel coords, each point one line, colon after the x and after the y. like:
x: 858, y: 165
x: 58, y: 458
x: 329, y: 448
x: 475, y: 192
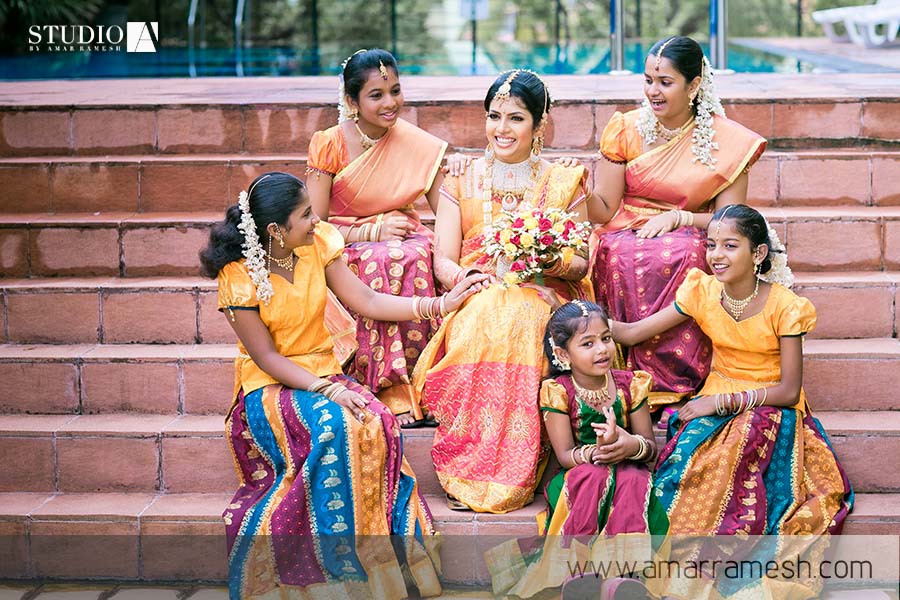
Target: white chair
x: 848, y: 16
x: 875, y: 28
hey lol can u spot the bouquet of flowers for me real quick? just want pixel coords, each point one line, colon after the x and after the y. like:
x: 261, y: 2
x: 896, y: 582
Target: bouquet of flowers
x: 526, y: 240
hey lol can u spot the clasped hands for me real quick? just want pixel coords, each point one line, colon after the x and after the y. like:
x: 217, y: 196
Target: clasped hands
x: 614, y: 444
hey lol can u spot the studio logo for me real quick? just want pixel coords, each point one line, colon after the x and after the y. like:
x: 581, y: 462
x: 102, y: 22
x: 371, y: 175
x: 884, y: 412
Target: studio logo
x: 141, y: 37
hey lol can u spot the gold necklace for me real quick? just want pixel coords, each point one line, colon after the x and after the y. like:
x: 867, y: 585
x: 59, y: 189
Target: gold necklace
x: 515, y: 173
x: 596, y: 399
x: 286, y: 263
x: 669, y: 134
x: 737, y: 307
x: 365, y: 141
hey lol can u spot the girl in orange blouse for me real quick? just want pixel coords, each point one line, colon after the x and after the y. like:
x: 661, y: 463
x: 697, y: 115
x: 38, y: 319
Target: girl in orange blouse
x: 323, y: 481
x: 365, y: 175
x: 745, y: 456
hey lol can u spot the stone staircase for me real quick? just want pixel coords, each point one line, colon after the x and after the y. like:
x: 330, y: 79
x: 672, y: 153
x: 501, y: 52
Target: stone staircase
x: 118, y: 367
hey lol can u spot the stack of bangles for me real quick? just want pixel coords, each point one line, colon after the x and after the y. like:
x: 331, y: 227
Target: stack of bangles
x: 329, y: 389
x: 683, y: 218
x: 732, y: 404
x: 645, y: 450
x: 425, y: 307
x: 370, y: 232
x: 580, y: 450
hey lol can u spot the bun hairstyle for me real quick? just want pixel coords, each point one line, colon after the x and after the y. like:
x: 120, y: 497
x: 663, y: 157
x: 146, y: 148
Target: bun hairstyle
x: 753, y: 226
x: 566, y: 321
x: 273, y: 197
x: 527, y: 87
x: 357, y: 67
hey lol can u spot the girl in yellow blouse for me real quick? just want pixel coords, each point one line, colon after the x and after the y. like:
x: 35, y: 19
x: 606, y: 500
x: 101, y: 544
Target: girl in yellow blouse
x: 323, y: 481
x: 745, y: 456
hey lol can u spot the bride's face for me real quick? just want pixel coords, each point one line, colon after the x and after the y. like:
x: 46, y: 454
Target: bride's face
x: 510, y: 129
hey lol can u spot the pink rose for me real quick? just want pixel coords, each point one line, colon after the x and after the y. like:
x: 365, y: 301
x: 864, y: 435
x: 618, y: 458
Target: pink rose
x: 520, y: 222
x: 517, y: 266
x: 515, y: 239
x: 497, y: 236
x: 545, y: 224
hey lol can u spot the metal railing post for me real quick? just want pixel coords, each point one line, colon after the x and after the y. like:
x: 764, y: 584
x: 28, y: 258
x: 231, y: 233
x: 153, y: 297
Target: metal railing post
x: 617, y: 37
x: 718, y: 34
x: 191, y: 23
x: 239, y: 38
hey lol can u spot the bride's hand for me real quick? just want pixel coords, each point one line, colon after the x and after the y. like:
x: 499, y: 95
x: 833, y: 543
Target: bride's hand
x: 658, y: 225
x: 457, y: 164
x: 462, y: 290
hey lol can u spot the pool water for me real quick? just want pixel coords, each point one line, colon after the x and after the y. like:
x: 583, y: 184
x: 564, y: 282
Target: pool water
x: 489, y: 58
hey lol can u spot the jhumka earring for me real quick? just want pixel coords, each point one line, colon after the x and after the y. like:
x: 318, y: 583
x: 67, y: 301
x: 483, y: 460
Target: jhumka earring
x: 279, y: 237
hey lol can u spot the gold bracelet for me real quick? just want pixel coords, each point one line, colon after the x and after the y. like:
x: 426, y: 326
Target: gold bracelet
x: 318, y: 385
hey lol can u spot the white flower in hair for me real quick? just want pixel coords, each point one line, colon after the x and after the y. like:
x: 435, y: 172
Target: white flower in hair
x: 780, y: 272
x: 254, y: 255
x: 708, y: 104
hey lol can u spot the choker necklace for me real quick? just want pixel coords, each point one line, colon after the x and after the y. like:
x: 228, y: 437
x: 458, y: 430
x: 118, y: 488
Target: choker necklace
x: 594, y: 398
x: 737, y: 307
x: 286, y: 263
x: 669, y: 134
x: 512, y: 180
x: 364, y: 140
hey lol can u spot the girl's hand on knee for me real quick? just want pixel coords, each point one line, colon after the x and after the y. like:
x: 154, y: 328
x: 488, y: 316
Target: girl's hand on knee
x: 462, y: 290
x: 394, y: 228
x: 658, y: 225
x: 701, y: 406
x: 354, y: 402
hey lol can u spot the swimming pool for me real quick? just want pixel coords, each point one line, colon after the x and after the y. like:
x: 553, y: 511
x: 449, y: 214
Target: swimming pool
x: 457, y: 59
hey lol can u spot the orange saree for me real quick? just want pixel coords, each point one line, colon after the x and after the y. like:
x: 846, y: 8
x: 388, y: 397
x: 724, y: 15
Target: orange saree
x: 385, y: 180
x: 635, y: 277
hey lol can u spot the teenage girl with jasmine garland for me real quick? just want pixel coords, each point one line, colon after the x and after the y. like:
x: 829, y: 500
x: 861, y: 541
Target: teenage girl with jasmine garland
x: 748, y: 438
x: 323, y: 482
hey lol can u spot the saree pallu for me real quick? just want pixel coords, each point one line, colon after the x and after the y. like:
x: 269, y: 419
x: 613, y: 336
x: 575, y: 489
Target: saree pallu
x: 637, y: 277
x: 769, y: 471
x: 320, y: 500
x: 480, y: 374
x: 386, y: 181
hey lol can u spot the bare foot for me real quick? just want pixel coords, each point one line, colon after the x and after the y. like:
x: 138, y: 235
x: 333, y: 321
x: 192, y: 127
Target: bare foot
x: 666, y: 414
x: 405, y: 419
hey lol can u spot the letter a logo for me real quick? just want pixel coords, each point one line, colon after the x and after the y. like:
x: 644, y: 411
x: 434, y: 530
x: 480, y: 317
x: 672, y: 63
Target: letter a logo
x: 143, y: 37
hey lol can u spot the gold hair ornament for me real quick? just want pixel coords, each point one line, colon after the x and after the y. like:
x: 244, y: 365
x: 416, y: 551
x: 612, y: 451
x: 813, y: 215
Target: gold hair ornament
x: 502, y: 94
x: 383, y: 70
x: 659, y: 54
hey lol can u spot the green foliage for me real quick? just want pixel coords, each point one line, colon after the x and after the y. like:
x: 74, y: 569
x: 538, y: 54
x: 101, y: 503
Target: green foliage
x: 17, y: 15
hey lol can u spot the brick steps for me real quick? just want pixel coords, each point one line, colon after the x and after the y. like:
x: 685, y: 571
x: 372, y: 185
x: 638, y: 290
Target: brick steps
x: 122, y: 243
x: 128, y: 452
x: 75, y: 310
x: 178, y: 537
x: 212, y: 116
x: 153, y: 183
x: 839, y: 375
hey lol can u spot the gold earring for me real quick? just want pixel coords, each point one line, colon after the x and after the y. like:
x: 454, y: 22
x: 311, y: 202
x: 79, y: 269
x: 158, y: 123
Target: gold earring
x: 279, y: 237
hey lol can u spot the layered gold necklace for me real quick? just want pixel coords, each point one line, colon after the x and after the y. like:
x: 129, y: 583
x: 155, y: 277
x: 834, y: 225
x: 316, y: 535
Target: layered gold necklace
x: 596, y: 399
x: 737, y: 307
x: 286, y: 263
